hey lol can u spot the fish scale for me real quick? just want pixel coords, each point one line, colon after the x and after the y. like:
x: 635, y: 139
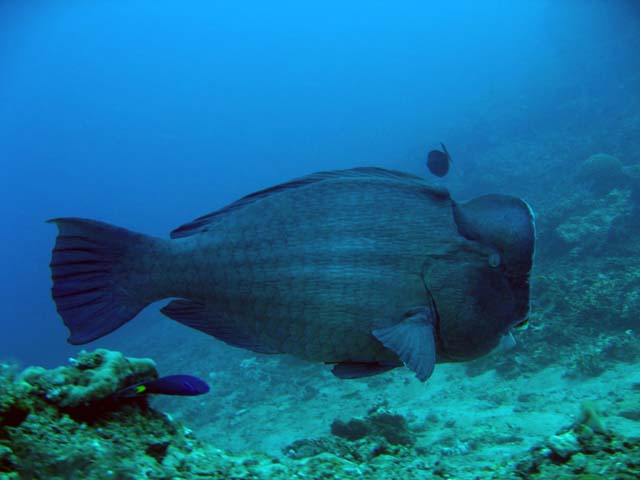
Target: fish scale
x: 341, y: 272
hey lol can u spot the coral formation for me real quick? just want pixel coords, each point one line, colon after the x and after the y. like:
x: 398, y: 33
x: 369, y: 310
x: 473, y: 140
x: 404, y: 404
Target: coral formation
x: 379, y: 422
x: 602, y: 172
x: 591, y: 230
x: 93, y: 376
x: 65, y: 423
x: 381, y: 432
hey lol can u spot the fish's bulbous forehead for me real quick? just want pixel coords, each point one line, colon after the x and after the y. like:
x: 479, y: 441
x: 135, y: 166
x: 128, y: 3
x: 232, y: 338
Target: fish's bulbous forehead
x: 503, y: 222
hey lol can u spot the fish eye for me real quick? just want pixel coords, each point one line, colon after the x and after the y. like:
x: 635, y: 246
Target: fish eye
x: 523, y: 325
x: 494, y: 260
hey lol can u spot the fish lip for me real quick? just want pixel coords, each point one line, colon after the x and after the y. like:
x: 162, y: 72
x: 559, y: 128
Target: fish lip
x: 522, y: 320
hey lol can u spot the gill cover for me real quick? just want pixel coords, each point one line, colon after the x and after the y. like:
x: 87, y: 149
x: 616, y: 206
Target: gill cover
x: 481, y: 287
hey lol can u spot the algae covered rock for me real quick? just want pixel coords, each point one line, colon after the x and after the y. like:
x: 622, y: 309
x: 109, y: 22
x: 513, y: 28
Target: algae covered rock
x: 587, y: 449
x: 564, y: 445
x: 591, y: 230
x: 13, y: 407
x: 90, y: 377
x: 633, y: 172
x: 379, y: 422
x: 379, y: 433
x: 602, y: 353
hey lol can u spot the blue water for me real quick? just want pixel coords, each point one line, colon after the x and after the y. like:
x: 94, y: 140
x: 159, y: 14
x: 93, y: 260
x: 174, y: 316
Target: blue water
x: 147, y: 114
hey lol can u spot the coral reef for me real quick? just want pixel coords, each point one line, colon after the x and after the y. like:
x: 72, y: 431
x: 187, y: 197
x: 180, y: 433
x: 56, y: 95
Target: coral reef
x: 591, y: 230
x: 65, y: 423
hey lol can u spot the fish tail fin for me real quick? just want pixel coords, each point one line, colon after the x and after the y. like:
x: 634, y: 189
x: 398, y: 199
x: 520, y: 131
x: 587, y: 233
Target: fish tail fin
x: 98, y: 276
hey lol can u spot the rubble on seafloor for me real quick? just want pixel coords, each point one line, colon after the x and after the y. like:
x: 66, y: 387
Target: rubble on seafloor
x: 66, y: 423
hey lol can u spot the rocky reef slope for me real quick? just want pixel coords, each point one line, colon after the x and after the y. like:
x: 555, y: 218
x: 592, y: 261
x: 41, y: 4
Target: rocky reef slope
x: 66, y: 423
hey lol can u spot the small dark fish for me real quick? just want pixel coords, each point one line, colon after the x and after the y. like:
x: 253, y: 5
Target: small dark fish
x: 438, y: 161
x: 185, y: 385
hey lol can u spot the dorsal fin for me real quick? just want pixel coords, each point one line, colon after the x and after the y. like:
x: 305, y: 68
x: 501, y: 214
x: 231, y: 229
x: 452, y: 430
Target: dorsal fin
x: 201, y: 224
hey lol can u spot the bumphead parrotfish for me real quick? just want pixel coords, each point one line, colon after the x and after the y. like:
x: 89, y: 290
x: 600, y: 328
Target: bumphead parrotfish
x: 367, y: 269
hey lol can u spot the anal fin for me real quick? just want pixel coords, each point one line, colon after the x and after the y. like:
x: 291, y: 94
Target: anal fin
x: 198, y: 316
x: 413, y: 340
x: 350, y: 370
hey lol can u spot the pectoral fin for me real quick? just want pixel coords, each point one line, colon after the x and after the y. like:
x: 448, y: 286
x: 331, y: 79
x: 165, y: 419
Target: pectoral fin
x: 413, y: 340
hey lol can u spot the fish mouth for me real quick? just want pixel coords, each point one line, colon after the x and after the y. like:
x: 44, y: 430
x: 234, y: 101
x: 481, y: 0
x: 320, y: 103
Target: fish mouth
x: 522, y: 324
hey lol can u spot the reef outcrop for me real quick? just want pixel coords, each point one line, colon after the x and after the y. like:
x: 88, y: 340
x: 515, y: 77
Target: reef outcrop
x: 66, y: 423
x: 586, y: 450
